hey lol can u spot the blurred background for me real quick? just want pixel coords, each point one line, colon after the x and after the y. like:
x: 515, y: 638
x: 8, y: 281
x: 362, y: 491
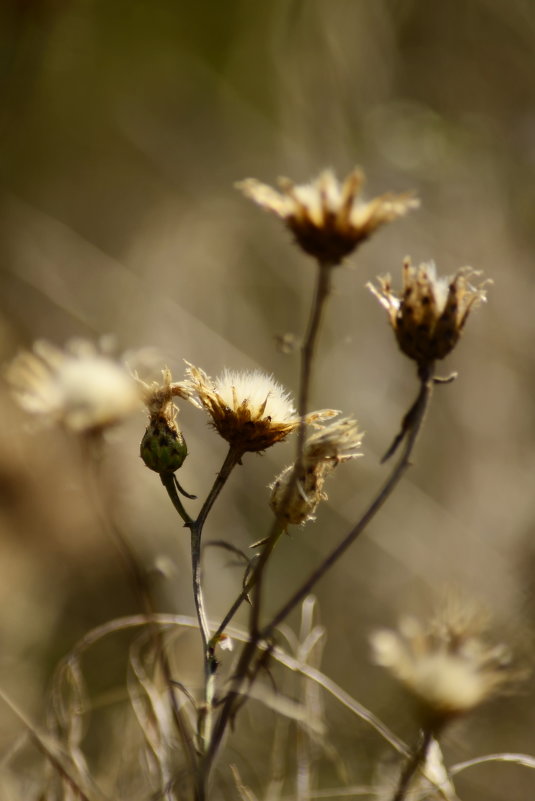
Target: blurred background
x: 123, y: 127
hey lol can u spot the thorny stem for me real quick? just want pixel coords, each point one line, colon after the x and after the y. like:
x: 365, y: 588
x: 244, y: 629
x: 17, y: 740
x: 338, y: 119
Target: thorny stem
x: 243, y: 668
x: 417, y: 760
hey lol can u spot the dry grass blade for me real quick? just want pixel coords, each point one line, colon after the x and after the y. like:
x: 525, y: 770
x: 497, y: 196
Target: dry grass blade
x: 525, y: 760
x: 151, y: 708
x: 77, y: 784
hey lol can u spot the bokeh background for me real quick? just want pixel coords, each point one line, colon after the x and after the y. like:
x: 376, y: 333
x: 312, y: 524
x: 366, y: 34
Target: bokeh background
x: 123, y: 126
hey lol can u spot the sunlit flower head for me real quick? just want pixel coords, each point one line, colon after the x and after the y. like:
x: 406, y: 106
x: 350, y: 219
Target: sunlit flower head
x: 327, y: 217
x: 248, y: 409
x: 429, y: 314
x: 80, y: 387
x: 448, y: 666
x: 294, y: 501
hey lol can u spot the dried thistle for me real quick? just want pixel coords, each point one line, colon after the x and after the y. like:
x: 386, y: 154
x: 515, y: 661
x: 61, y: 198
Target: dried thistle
x: 430, y: 313
x: 449, y: 667
x: 250, y: 410
x: 81, y: 387
x: 323, y: 451
x: 329, y: 219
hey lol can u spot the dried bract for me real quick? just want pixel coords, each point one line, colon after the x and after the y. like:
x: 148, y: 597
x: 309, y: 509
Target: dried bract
x: 329, y: 219
x: 430, y: 313
x: 449, y: 666
x: 80, y: 387
x: 248, y: 409
x: 323, y: 451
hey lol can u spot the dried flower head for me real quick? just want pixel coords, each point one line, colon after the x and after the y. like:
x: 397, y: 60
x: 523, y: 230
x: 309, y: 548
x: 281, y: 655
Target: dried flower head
x: 323, y: 451
x: 449, y: 666
x: 80, y: 387
x: 163, y: 448
x: 248, y: 409
x: 328, y: 218
x: 430, y: 313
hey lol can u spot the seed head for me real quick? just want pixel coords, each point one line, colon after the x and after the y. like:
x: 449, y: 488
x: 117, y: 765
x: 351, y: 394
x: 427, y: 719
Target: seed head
x: 430, y: 313
x: 329, y: 219
x: 449, y: 667
x: 81, y: 387
x: 323, y: 451
x: 248, y: 409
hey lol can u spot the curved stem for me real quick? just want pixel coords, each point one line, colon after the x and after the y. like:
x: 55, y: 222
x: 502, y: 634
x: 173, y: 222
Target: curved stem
x: 169, y: 482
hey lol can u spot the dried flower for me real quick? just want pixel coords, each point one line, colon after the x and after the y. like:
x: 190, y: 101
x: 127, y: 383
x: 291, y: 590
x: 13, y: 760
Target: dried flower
x: 323, y: 451
x: 430, y: 313
x: 163, y: 448
x: 449, y: 667
x: 328, y: 218
x: 80, y: 387
x: 248, y: 409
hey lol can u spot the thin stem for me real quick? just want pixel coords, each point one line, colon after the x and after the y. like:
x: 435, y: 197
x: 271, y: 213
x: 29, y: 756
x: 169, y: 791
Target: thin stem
x: 417, y: 760
x: 169, y: 482
x: 232, y: 458
x: 321, y: 293
x: 244, y: 663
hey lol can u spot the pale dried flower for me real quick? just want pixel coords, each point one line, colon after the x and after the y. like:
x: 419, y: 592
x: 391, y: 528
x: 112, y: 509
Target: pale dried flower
x: 323, y: 451
x: 449, y: 666
x: 79, y: 387
x: 249, y: 409
x: 429, y: 314
x: 328, y: 218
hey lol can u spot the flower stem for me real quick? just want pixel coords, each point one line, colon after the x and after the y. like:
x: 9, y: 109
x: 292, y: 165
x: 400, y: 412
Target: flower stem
x: 417, y: 760
x: 321, y: 293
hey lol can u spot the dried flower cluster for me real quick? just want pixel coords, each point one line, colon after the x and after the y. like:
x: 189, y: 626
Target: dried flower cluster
x: 329, y: 219
x: 294, y: 500
x: 81, y: 387
x: 449, y: 666
x: 430, y: 313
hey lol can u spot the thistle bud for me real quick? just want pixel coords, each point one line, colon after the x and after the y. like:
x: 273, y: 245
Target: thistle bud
x: 163, y: 448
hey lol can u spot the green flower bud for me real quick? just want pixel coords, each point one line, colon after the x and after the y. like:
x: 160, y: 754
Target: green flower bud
x: 163, y: 448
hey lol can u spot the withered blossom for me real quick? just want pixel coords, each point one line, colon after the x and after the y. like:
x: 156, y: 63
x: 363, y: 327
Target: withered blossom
x: 80, y: 387
x: 328, y: 218
x: 429, y: 314
x: 323, y: 451
x: 448, y: 666
x: 249, y: 409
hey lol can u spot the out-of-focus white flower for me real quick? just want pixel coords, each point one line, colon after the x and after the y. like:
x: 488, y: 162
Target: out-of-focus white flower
x: 429, y: 314
x: 449, y: 666
x: 80, y: 387
x: 328, y: 218
x: 323, y: 451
